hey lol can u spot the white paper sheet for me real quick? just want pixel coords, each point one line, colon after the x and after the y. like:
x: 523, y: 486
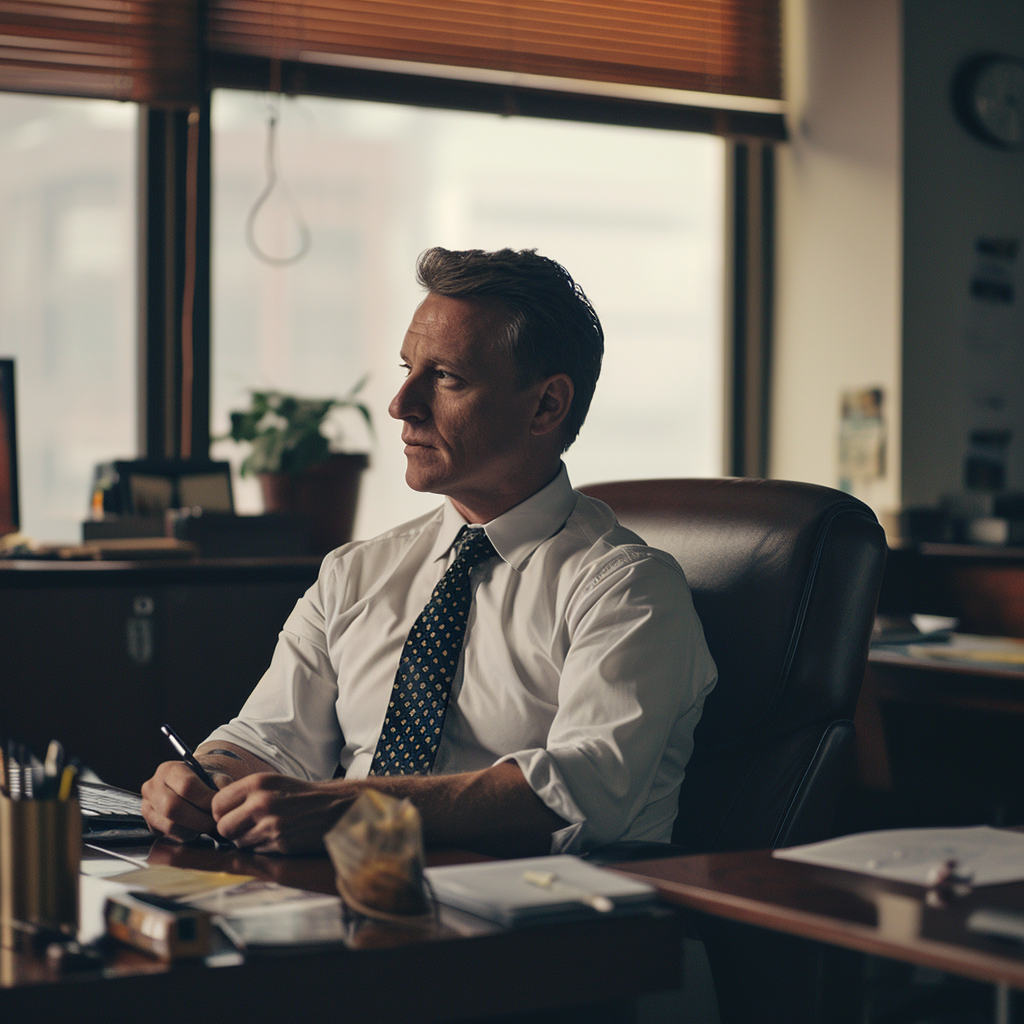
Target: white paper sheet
x: 989, y: 856
x: 92, y: 898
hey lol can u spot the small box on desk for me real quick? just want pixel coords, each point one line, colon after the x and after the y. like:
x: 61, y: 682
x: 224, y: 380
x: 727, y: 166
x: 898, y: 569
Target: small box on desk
x: 225, y: 535
x: 116, y: 527
x: 163, y: 928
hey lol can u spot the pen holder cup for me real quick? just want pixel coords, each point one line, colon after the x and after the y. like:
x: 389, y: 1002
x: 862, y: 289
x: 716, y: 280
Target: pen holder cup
x: 40, y: 856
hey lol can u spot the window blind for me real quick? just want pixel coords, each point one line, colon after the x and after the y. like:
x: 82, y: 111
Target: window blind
x: 713, y: 47
x: 144, y: 50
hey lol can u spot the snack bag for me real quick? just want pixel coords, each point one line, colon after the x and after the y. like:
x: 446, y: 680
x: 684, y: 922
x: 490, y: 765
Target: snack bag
x: 377, y: 851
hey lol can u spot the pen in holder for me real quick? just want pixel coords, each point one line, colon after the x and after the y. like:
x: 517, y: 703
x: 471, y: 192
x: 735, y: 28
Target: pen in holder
x: 40, y: 856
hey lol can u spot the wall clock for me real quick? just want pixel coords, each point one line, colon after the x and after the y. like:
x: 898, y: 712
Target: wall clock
x: 988, y: 96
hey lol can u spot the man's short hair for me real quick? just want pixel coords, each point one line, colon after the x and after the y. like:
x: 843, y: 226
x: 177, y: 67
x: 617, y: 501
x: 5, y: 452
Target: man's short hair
x: 551, y: 327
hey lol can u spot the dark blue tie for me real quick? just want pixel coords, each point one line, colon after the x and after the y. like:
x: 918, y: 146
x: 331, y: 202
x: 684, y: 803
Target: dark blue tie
x: 412, y: 727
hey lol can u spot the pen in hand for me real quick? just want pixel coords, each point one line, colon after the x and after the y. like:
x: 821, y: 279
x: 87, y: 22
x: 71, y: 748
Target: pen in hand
x: 183, y: 751
x: 187, y: 756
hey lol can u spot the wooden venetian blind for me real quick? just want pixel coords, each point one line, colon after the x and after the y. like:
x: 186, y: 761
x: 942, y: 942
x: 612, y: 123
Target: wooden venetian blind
x: 728, y: 47
x: 143, y: 50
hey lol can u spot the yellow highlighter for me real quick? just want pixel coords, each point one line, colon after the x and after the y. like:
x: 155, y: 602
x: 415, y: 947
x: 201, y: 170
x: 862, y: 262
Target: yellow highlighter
x: 67, y: 781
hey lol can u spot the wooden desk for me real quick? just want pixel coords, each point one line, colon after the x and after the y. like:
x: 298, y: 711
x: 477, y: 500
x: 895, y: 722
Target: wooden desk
x: 939, y: 743
x: 943, y: 737
x: 841, y: 908
x: 463, y: 969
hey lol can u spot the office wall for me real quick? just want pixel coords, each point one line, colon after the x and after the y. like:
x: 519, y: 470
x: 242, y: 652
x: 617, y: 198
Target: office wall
x: 963, y: 358
x: 838, y: 235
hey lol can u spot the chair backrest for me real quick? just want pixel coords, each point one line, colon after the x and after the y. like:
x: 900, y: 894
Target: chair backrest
x: 785, y: 578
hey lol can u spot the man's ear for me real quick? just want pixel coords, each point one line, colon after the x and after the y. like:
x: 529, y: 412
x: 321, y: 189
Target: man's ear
x: 554, y: 400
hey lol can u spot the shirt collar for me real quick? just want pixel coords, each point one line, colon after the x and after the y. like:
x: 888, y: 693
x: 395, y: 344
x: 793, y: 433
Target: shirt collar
x: 517, y: 533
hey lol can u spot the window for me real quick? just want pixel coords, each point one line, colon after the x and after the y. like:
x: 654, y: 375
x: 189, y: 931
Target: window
x: 67, y: 296
x: 636, y: 215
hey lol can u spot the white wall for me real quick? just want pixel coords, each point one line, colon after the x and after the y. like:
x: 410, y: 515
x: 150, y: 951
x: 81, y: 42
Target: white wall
x: 963, y: 359
x: 838, y: 234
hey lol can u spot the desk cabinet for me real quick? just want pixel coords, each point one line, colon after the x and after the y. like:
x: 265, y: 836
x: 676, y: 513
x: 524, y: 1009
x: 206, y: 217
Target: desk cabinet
x: 99, y: 655
x: 983, y: 587
x: 942, y: 743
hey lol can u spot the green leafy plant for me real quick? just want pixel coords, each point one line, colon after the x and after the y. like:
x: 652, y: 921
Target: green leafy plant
x: 285, y: 431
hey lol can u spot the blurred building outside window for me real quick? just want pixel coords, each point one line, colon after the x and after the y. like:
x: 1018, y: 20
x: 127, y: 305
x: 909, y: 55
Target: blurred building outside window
x: 67, y: 297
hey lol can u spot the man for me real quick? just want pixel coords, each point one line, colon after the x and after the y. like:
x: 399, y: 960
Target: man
x: 532, y: 686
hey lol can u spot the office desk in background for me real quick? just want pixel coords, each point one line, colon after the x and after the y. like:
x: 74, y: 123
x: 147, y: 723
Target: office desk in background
x: 852, y: 912
x: 465, y: 969
x: 940, y: 742
x: 953, y: 726
x: 100, y: 654
x: 841, y: 908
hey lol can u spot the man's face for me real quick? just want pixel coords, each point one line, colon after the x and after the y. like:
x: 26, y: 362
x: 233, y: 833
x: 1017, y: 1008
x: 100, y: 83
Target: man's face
x: 467, y: 424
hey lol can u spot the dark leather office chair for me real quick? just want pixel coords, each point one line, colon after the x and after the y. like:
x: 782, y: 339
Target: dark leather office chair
x: 785, y: 578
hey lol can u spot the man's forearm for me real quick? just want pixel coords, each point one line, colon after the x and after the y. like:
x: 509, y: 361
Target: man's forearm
x: 223, y: 758
x: 491, y: 811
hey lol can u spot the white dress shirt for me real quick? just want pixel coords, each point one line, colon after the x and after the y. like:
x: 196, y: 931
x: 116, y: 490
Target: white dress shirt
x: 584, y: 662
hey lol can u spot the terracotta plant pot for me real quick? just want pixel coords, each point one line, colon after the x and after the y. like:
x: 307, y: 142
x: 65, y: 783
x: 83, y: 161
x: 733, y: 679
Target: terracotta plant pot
x: 325, y: 495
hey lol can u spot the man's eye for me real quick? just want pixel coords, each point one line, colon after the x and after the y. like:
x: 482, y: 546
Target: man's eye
x: 406, y: 367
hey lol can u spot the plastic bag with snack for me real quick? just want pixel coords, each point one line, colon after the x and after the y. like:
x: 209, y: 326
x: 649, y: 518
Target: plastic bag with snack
x: 377, y: 851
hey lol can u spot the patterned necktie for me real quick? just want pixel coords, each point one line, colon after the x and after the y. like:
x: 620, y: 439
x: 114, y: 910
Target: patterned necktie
x: 412, y: 727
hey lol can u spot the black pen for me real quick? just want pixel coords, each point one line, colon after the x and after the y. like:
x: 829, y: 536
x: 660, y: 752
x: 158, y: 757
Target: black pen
x: 187, y: 756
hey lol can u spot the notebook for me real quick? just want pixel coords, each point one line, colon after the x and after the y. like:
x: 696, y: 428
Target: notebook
x: 563, y: 887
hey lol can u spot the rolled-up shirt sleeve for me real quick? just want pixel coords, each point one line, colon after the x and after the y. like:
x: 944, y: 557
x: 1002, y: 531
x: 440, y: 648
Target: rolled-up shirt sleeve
x: 289, y: 720
x: 631, y: 690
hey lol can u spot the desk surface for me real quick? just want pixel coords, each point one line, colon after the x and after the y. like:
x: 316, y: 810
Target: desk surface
x: 842, y: 908
x: 899, y: 657
x: 462, y: 968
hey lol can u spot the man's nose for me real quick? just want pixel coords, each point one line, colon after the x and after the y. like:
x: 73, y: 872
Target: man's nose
x: 408, y: 403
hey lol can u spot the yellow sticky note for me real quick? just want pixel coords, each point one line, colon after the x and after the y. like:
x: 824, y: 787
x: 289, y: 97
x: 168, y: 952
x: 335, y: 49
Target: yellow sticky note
x: 172, y: 882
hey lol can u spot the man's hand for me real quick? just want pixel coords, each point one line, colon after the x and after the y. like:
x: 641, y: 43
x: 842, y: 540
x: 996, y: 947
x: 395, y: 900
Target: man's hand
x: 176, y: 803
x: 272, y: 813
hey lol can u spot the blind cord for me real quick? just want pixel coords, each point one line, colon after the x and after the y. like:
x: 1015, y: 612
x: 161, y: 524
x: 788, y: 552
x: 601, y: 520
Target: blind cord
x: 270, y: 162
x: 189, y: 285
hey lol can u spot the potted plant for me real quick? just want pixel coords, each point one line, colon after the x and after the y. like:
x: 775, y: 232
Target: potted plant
x: 293, y: 458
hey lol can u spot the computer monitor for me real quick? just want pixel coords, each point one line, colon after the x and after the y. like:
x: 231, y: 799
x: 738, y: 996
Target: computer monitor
x: 10, y: 519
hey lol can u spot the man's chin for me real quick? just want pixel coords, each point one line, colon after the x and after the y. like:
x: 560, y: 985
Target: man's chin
x: 418, y: 480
